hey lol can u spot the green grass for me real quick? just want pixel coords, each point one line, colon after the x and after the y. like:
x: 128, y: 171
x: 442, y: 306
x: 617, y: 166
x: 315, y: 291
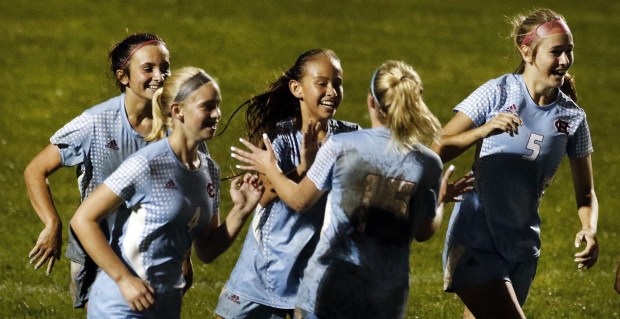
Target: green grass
x: 53, y: 65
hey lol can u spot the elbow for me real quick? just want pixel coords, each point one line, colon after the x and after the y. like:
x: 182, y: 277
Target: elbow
x: 205, y: 257
x: 424, y: 235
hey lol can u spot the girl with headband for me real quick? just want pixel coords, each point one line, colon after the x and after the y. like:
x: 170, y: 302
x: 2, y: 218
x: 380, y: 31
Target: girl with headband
x: 96, y: 142
x: 384, y: 190
x: 173, y: 191
x: 265, y: 279
x: 522, y: 124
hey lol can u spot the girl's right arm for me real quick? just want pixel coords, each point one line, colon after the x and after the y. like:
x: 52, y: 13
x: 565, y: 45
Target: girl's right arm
x: 48, y: 246
x: 461, y: 133
x: 85, y: 224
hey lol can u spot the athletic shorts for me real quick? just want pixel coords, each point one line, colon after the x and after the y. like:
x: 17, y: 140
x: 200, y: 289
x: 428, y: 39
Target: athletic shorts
x: 82, y: 278
x: 467, y: 266
x: 233, y: 306
x: 106, y: 301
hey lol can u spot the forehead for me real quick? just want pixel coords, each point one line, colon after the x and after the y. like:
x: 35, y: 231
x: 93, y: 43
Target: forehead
x: 207, y: 92
x: 154, y: 53
x: 555, y: 40
x: 324, y: 66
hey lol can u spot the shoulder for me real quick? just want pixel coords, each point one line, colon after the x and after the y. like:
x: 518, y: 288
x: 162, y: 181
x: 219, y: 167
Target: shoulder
x: 430, y: 158
x: 338, y: 126
x: 113, y: 105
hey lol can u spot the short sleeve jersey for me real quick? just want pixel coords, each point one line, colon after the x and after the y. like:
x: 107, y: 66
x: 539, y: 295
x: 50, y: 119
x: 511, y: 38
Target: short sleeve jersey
x: 169, y: 205
x: 378, y: 197
x: 280, y: 240
x: 513, y: 171
x: 97, y: 142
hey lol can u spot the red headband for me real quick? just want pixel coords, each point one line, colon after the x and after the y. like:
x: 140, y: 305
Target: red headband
x: 545, y: 29
x: 140, y: 46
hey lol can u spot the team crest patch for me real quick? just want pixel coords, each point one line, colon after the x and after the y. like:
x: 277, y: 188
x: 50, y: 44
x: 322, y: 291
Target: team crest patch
x: 234, y: 298
x: 562, y: 126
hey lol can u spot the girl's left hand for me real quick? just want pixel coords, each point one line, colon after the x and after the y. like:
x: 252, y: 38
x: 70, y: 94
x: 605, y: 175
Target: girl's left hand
x: 587, y: 257
x: 256, y: 159
x: 246, y: 191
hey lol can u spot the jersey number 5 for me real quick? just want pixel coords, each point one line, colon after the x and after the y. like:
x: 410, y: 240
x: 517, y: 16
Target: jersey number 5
x: 533, y: 144
x: 387, y: 194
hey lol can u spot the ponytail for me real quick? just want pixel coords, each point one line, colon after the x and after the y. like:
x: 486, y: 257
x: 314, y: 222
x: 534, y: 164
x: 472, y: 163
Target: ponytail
x: 161, y: 119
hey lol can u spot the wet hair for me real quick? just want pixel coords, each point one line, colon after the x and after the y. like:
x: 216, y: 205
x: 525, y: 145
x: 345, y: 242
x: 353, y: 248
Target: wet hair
x: 397, y: 87
x: 177, y: 88
x: 120, y: 55
x: 522, y: 25
x: 265, y: 110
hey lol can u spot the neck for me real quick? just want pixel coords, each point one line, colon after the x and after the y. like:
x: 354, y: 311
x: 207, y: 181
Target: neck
x: 184, y: 149
x: 139, y: 113
x: 540, y: 93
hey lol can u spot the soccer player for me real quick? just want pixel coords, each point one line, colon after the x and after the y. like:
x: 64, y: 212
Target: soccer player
x: 265, y: 279
x: 172, y: 189
x: 384, y: 191
x: 96, y: 142
x: 522, y: 124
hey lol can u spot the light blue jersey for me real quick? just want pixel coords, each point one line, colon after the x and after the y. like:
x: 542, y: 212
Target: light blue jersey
x: 97, y: 141
x: 280, y: 240
x: 378, y: 197
x: 512, y: 172
x: 169, y: 206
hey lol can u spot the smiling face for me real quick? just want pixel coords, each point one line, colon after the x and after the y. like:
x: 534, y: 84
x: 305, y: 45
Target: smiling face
x: 148, y: 68
x: 320, y: 90
x: 551, y: 61
x: 201, y: 112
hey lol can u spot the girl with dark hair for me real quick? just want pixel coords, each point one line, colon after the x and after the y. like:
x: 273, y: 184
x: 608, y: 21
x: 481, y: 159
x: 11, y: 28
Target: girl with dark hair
x: 265, y: 279
x: 96, y: 142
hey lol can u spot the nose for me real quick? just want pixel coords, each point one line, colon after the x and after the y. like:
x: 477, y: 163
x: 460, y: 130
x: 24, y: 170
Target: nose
x: 158, y: 75
x: 565, y: 59
x: 332, y: 90
x: 217, y: 113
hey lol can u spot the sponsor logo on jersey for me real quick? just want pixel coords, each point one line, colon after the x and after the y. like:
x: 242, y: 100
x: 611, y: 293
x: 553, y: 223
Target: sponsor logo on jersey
x: 512, y: 109
x: 170, y: 185
x: 234, y: 298
x: 112, y: 145
x: 210, y: 190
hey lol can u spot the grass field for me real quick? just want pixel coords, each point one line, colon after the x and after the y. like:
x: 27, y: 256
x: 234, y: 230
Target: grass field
x: 53, y: 64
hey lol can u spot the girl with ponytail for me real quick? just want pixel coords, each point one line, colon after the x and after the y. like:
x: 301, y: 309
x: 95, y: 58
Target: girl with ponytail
x: 384, y: 190
x: 522, y: 124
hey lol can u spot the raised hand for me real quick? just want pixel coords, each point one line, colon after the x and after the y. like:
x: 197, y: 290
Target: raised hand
x: 453, y: 191
x: 256, y: 159
x: 310, y: 144
x: 246, y: 191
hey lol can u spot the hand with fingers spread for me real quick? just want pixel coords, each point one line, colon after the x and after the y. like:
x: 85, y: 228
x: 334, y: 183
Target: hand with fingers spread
x: 47, y: 249
x: 504, y: 122
x: 453, y: 191
x: 139, y: 294
x: 589, y: 255
x: 246, y: 191
x: 256, y: 159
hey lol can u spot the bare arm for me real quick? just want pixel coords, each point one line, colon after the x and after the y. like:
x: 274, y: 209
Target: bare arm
x: 215, y: 239
x: 448, y: 192
x: 297, y: 196
x: 587, y: 208
x: 85, y: 224
x: 48, y: 246
x: 461, y: 133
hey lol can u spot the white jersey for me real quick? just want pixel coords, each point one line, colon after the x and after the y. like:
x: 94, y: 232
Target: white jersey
x: 511, y: 173
x: 378, y: 197
x: 169, y: 206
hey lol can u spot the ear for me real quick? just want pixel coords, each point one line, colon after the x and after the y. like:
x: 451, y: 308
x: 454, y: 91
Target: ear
x: 176, y: 112
x: 122, y: 77
x: 526, y: 53
x: 295, y: 88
